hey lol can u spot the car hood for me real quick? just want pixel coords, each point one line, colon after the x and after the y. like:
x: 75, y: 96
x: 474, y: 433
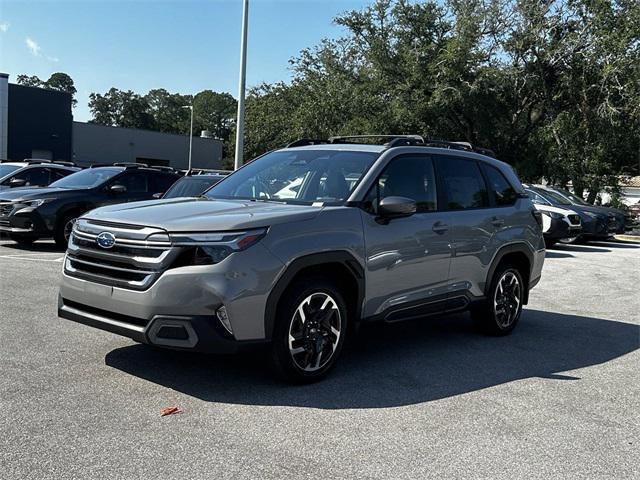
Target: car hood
x: 33, y: 193
x: 200, y: 214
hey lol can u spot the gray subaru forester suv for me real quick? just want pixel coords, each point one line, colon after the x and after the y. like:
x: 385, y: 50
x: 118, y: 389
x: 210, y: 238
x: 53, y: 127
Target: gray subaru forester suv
x: 302, y: 244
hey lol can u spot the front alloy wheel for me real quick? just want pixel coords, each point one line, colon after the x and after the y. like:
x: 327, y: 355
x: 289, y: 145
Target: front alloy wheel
x: 310, y: 330
x: 314, y: 332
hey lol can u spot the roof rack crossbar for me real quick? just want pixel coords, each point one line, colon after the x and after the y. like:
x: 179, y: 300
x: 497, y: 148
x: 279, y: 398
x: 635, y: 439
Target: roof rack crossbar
x: 343, y: 138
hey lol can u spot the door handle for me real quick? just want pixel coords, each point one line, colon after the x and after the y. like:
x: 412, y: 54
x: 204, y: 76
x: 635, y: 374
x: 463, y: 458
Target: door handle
x: 440, y: 227
x: 497, y: 222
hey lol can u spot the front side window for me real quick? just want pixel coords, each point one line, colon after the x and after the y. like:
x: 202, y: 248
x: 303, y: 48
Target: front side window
x: 463, y: 184
x: 503, y: 192
x: 409, y: 177
x: 89, y: 178
x: 35, y: 177
x: 297, y: 176
x: 134, y: 182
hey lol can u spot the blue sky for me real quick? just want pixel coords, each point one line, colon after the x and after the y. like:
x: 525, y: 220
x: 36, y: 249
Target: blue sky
x: 183, y: 46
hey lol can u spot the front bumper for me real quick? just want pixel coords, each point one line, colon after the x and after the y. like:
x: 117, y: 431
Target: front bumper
x: 198, y: 333
x: 189, y: 295
x: 561, y: 229
x: 26, y: 222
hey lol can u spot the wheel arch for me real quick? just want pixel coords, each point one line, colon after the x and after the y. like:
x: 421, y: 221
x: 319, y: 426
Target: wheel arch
x: 518, y: 254
x: 339, y: 265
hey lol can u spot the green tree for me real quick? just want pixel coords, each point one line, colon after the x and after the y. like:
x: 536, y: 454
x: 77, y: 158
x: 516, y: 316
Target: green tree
x: 168, y: 110
x: 120, y: 108
x: 57, y: 81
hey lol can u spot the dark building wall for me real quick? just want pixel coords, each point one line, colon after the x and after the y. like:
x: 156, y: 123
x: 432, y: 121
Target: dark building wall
x: 38, y: 119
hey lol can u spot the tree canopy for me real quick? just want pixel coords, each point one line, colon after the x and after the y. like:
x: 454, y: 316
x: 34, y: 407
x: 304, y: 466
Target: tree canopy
x: 57, y: 81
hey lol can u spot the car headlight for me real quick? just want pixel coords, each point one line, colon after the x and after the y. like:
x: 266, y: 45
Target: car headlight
x: 32, y: 203
x: 213, y: 247
x: 555, y: 215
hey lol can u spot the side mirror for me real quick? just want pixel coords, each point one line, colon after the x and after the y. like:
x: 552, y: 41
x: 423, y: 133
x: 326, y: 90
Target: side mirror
x: 157, y: 195
x: 396, y: 207
x: 17, y: 182
x: 117, y: 188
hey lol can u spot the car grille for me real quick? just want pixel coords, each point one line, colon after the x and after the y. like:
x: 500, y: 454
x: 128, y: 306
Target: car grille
x: 6, y: 209
x: 574, y: 219
x: 133, y: 262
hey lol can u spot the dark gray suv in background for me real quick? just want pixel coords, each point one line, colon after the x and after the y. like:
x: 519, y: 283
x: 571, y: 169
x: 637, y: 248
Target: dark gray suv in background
x: 304, y: 243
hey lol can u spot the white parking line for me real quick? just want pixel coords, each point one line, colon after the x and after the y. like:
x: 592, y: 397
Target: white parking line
x: 36, y: 257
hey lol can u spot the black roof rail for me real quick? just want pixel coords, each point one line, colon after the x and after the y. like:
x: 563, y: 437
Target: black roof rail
x: 344, y: 138
x: 34, y: 161
x: 65, y: 163
x: 130, y: 165
x: 301, y: 142
x: 163, y: 168
x: 99, y: 165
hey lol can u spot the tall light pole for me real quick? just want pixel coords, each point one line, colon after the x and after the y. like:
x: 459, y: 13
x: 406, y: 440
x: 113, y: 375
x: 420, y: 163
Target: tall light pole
x: 241, y: 86
x: 190, y: 107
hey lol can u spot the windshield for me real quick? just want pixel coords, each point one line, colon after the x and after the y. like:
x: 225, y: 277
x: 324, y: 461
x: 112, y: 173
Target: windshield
x: 297, y: 176
x: 192, y: 186
x: 89, y: 178
x: 556, y: 198
x: 7, y: 169
x: 572, y: 197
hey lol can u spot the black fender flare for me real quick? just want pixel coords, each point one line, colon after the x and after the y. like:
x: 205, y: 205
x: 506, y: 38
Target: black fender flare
x: 296, y: 266
x: 518, y: 247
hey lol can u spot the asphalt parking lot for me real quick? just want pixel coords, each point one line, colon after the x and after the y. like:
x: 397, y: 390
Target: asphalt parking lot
x: 560, y: 398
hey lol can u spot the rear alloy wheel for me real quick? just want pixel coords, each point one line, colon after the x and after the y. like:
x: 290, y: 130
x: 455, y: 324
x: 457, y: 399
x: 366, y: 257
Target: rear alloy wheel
x: 500, y: 313
x: 309, y: 332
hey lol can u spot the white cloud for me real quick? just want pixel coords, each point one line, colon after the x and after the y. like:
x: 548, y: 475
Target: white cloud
x: 4, y: 26
x: 33, y: 46
x: 53, y: 59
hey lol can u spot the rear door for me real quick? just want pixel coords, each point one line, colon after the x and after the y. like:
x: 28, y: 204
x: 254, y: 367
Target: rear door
x: 465, y: 195
x: 138, y: 185
x: 407, y: 259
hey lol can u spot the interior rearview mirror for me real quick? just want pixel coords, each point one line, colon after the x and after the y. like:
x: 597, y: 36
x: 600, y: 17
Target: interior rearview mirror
x: 117, y: 188
x: 395, y: 207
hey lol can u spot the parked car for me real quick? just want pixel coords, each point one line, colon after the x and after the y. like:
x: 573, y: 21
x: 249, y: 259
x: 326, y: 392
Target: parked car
x: 557, y: 223
x: 428, y: 228
x: 193, y: 184
x: 596, y: 223
x: 28, y: 214
x: 33, y: 173
x: 624, y: 220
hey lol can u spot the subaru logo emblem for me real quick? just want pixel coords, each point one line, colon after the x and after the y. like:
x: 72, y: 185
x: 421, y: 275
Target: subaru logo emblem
x: 106, y: 239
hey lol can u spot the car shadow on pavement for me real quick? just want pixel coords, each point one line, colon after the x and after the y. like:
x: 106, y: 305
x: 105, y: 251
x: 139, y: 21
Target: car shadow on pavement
x: 551, y: 254
x: 580, y: 248
x: 395, y: 365
x: 616, y: 244
x: 38, y: 247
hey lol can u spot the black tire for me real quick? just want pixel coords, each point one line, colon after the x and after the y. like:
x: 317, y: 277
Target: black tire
x: 60, y: 232
x: 23, y: 239
x: 313, y: 335
x: 492, y: 319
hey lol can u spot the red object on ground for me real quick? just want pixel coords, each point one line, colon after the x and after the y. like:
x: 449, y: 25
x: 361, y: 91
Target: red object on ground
x: 169, y: 411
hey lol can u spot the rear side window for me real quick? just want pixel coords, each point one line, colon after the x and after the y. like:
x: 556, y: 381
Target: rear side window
x: 406, y: 176
x: 135, y: 182
x: 463, y: 183
x: 34, y: 177
x: 503, y: 192
x: 162, y: 182
x: 58, y: 173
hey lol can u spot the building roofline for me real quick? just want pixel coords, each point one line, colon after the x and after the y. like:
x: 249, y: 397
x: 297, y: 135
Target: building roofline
x: 181, y: 135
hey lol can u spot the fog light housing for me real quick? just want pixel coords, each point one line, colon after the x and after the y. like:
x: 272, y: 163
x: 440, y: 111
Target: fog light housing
x: 223, y: 316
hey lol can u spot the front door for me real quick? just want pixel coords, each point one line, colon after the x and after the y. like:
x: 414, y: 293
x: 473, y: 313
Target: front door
x: 407, y: 259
